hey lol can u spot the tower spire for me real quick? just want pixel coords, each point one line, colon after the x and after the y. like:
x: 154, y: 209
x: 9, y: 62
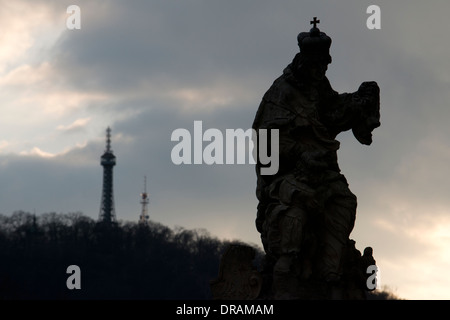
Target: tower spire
x: 108, y: 161
x: 143, y: 218
x: 108, y: 139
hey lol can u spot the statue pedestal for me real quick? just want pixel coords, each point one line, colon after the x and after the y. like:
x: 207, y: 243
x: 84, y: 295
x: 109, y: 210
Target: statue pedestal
x: 239, y: 279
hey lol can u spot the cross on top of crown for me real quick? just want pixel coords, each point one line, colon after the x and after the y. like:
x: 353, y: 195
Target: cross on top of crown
x: 315, y: 22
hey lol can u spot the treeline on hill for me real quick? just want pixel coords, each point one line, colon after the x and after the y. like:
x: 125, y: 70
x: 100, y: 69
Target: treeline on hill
x: 126, y: 261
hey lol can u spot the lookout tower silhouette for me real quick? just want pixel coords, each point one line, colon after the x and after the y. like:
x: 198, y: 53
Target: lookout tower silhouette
x: 108, y: 161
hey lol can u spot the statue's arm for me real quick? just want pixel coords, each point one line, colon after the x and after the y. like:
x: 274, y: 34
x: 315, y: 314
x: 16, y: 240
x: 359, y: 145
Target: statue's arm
x: 338, y: 111
x: 358, y: 110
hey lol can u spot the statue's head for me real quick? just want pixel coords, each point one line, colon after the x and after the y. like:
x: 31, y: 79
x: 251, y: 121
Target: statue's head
x: 315, y: 45
x: 315, y: 53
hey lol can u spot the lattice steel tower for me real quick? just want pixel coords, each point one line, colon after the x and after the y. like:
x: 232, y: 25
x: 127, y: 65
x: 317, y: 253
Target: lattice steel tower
x: 108, y: 161
x: 143, y: 218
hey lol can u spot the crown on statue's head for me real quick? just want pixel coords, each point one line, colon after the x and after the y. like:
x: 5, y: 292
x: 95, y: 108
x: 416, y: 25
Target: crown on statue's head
x: 315, y: 44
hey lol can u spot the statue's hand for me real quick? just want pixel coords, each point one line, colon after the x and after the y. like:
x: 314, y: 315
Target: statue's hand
x: 369, y: 92
x: 368, y: 115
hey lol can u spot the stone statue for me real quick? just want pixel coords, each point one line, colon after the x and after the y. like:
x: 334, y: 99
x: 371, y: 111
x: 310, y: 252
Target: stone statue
x: 306, y: 210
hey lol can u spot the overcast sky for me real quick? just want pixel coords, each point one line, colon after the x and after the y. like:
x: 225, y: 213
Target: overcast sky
x: 146, y: 68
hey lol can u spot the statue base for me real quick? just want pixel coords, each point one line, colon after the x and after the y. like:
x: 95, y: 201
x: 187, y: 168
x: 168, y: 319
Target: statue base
x: 239, y: 278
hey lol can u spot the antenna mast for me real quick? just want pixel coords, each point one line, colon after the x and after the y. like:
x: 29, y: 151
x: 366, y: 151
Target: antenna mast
x: 143, y: 218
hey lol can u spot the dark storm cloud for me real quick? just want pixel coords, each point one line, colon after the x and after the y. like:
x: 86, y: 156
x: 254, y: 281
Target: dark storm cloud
x: 190, y: 42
